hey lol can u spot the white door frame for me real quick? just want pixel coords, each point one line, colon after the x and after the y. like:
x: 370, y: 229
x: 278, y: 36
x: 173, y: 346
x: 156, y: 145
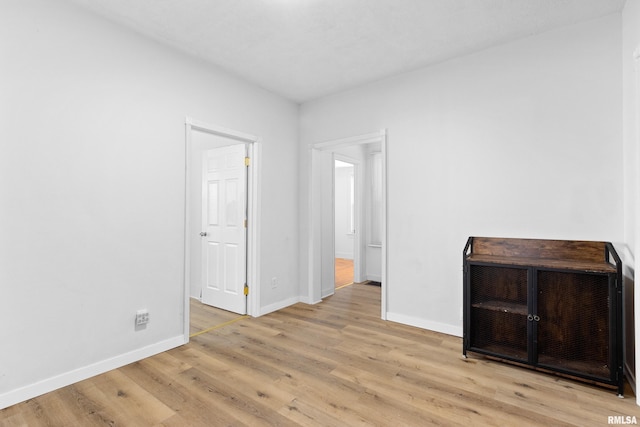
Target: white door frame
x: 636, y: 107
x: 253, y: 203
x: 316, y: 203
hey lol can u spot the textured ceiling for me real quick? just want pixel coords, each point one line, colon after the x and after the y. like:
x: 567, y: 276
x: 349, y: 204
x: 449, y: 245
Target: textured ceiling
x: 305, y: 49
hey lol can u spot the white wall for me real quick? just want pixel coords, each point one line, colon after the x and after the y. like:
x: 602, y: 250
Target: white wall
x: 522, y: 140
x: 631, y: 141
x: 631, y: 42
x: 92, y: 147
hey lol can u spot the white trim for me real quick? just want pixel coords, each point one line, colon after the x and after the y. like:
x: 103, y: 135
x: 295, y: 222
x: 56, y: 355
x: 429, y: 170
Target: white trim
x: 315, y: 230
x: 307, y: 300
x: 636, y: 265
x: 187, y: 229
x: 384, y: 280
x: 352, y: 140
x: 278, y: 305
x: 62, y: 380
x: 315, y: 201
x: 253, y: 262
x: 219, y: 130
x: 418, y: 322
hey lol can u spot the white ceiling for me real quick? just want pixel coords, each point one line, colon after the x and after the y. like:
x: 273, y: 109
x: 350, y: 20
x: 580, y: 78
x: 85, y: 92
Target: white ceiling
x: 305, y: 49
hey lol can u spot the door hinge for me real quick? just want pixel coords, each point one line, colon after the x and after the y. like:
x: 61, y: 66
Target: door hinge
x: 246, y: 289
x: 247, y: 161
x: 245, y: 223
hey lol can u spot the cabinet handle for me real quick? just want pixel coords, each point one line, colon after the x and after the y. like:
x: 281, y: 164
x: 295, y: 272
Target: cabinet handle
x: 536, y: 318
x: 530, y: 318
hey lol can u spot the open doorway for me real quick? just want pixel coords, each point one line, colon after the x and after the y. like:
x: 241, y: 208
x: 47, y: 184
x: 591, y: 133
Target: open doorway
x: 344, y: 203
x: 323, y: 255
x: 220, y: 160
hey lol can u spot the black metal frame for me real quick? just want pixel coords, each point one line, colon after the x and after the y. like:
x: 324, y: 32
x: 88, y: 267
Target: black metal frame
x: 615, y: 291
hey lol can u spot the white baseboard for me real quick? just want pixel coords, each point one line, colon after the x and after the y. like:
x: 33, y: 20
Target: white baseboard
x: 328, y: 294
x: 307, y: 300
x: 278, y: 306
x: 374, y: 277
x: 426, y: 324
x: 50, y: 384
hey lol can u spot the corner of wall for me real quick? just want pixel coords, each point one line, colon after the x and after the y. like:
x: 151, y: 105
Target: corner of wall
x: 67, y: 378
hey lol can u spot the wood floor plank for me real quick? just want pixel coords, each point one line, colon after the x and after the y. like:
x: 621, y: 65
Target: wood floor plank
x: 331, y: 364
x: 203, y: 316
x: 124, y: 400
x: 303, y: 412
x: 343, y: 271
x: 251, y: 383
x: 50, y: 410
x: 190, y: 409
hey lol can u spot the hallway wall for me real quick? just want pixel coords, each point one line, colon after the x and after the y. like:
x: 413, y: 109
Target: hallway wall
x: 92, y: 184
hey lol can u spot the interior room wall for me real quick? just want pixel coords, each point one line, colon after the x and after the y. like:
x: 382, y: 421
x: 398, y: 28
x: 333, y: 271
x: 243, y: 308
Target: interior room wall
x: 631, y: 165
x: 92, y: 177
x: 521, y: 140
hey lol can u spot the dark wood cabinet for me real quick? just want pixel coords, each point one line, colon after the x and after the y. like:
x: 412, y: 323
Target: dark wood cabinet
x: 551, y: 305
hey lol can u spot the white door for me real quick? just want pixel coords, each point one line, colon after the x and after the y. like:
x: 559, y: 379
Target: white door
x: 224, y: 228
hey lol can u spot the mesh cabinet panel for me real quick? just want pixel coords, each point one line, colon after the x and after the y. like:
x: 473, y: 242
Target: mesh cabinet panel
x: 498, y: 299
x: 573, y: 333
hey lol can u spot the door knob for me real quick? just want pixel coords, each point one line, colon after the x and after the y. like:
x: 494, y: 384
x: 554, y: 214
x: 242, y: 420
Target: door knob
x: 203, y: 233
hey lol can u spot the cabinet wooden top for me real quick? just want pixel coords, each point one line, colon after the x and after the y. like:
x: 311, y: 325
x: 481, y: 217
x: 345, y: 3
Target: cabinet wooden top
x: 559, y: 254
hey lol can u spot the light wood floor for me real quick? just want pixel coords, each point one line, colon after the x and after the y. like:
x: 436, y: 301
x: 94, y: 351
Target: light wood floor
x: 344, y: 271
x: 331, y: 364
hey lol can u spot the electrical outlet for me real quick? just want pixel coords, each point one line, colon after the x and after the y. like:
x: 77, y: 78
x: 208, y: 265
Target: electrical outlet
x: 274, y: 282
x: 142, y: 317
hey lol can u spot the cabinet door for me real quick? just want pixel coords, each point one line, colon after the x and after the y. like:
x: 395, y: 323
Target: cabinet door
x: 498, y: 311
x: 573, y: 330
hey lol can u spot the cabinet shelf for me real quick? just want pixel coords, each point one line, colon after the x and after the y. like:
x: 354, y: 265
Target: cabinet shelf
x: 579, y: 366
x: 502, y: 307
x: 525, y: 302
x: 587, y: 266
x: 513, y: 353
